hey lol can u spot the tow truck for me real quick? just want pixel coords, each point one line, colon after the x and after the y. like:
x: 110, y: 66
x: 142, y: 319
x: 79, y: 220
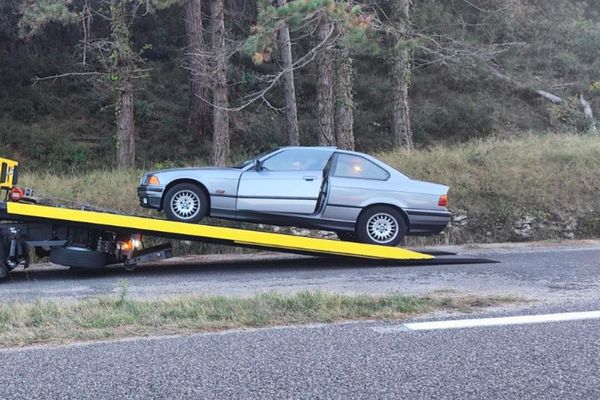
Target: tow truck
x: 90, y: 238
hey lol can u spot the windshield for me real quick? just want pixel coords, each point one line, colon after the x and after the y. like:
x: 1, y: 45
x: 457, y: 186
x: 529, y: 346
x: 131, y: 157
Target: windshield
x: 251, y: 160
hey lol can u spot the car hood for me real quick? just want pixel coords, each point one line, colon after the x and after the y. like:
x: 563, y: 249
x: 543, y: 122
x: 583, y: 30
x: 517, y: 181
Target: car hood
x: 188, y: 169
x: 166, y: 175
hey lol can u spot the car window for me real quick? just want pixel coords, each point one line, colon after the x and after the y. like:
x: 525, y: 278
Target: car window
x: 251, y: 160
x: 297, y: 160
x: 351, y: 166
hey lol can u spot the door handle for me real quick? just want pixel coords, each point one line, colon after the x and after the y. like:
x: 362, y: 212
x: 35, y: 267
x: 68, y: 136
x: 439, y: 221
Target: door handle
x: 309, y: 178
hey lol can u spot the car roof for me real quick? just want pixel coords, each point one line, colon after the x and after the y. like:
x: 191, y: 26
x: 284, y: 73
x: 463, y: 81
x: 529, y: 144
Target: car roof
x: 329, y: 148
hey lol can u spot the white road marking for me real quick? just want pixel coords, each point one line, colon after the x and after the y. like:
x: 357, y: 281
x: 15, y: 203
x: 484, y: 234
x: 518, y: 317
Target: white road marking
x: 472, y: 323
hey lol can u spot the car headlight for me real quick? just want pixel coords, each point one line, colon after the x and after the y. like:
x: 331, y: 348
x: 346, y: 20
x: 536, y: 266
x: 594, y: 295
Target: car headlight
x: 152, y: 180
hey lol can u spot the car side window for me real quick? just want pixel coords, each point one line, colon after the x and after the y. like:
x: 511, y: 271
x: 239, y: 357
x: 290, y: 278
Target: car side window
x: 297, y: 160
x: 351, y: 166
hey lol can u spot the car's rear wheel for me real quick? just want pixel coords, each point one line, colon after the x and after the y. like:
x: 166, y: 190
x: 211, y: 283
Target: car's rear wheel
x: 383, y: 225
x: 185, y: 202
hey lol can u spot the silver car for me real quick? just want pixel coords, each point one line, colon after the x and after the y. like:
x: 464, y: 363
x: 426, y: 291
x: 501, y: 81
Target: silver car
x: 353, y: 194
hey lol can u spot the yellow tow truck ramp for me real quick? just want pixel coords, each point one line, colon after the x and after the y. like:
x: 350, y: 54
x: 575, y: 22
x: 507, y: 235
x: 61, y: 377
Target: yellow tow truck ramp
x: 104, y: 221
x: 83, y: 238
x: 89, y: 239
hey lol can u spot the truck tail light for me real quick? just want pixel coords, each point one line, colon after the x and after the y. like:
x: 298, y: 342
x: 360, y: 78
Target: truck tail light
x: 134, y: 243
x: 443, y: 201
x: 16, y: 194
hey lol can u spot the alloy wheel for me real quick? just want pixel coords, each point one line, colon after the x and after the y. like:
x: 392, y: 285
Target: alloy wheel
x: 185, y: 204
x: 382, y: 227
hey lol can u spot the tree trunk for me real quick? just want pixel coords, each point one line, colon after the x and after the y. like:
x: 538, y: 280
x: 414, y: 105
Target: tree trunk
x: 588, y: 113
x: 125, y: 126
x: 220, y: 149
x: 344, y: 103
x: 325, y: 87
x: 287, y: 80
x: 199, y: 109
x: 549, y: 96
x: 401, y: 76
x: 124, y: 86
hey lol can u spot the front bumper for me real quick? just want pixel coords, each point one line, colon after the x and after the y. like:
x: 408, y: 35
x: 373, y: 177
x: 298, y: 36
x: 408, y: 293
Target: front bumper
x: 150, y: 196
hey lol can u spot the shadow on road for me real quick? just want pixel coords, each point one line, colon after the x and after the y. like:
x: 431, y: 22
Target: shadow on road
x: 229, y: 266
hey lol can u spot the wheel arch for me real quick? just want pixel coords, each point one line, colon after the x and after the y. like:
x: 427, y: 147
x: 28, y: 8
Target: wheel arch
x: 392, y: 205
x: 185, y: 180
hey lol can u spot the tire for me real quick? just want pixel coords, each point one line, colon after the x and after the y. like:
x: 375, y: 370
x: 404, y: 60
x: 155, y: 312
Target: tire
x: 346, y: 236
x: 78, y: 257
x: 185, y: 202
x: 382, y: 225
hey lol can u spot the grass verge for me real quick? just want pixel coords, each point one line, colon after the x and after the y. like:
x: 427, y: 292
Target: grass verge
x: 552, y: 180
x: 52, y: 322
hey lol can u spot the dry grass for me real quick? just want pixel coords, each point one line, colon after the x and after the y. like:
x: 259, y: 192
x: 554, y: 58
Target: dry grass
x: 116, y: 190
x: 499, y: 180
x: 509, y: 175
x: 119, y: 317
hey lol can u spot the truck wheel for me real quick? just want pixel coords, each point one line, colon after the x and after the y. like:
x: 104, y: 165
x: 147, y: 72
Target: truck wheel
x: 185, y: 202
x: 383, y: 225
x: 78, y: 257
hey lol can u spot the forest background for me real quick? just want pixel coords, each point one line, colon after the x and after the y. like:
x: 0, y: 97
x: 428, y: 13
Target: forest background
x: 494, y: 97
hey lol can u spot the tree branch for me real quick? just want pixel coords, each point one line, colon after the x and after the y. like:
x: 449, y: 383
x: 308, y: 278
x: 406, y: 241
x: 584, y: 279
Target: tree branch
x: 68, y: 74
x: 273, y: 79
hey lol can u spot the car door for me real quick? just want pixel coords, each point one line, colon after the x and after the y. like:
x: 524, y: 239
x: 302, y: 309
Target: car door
x: 354, y: 180
x: 288, y: 181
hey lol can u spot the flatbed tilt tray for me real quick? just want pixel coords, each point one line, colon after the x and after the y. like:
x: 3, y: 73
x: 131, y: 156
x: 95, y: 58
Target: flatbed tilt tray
x: 93, y: 239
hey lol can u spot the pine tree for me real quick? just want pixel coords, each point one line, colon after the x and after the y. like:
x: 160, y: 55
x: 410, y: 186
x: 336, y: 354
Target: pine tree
x: 199, y: 108
x: 220, y: 148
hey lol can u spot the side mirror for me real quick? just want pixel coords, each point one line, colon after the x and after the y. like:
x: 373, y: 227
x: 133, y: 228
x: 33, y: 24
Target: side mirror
x: 257, y: 165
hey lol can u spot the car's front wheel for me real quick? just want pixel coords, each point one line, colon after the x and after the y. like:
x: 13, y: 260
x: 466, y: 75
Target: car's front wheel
x: 185, y: 202
x: 383, y: 225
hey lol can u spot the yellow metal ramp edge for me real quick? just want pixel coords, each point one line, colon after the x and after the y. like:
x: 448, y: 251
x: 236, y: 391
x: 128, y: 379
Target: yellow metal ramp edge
x: 198, y: 232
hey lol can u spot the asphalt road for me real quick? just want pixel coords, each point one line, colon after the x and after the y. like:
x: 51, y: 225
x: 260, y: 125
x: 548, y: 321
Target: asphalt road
x: 558, y: 360
x: 550, y: 273
x: 366, y: 360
